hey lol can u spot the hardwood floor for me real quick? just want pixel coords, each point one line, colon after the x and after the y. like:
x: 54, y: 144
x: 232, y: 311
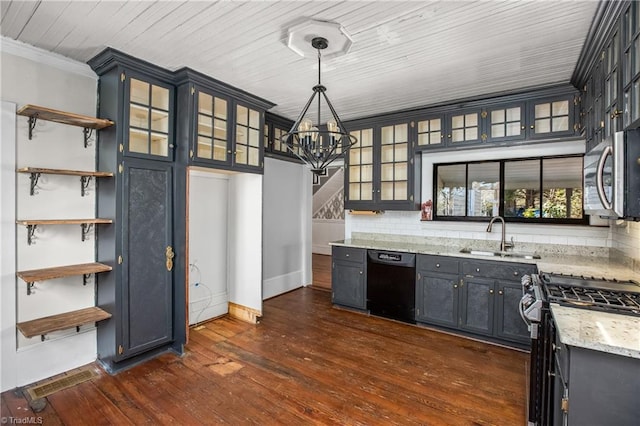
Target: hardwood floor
x: 321, y: 268
x: 304, y: 363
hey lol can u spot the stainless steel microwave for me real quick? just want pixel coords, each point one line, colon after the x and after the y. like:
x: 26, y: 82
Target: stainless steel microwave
x: 612, y: 177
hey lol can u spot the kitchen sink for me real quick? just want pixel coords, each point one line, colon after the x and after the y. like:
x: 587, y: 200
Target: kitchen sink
x: 520, y: 255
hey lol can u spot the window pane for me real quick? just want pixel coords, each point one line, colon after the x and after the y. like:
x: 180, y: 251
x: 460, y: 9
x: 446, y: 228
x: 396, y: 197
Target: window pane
x: 387, y: 135
x: 160, y: 97
x: 387, y: 172
x: 497, y: 116
x: 139, y: 92
x: 220, y: 108
x: 219, y: 151
x: 457, y: 121
x: 160, y: 121
x: 471, y: 120
x: 139, y: 117
x: 562, y: 188
x: 542, y: 110
x: 204, y: 147
x: 543, y: 126
x: 400, y: 190
x: 366, y: 192
x: 435, y: 124
x: 483, y: 189
x: 513, y: 114
x: 457, y: 135
x: 522, y: 188
x: 254, y: 119
x: 401, y: 133
x: 367, y: 174
x: 435, y: 138
x: 205, y: 103
x: 513, y: 129
x: 138, y: 141
x: 423, y: 126
x: 386, y: 191
x: 497, y: 130
x: 159, y: 144
x: 423, y: 139
x: 242, y: 115
x: 451, y: 190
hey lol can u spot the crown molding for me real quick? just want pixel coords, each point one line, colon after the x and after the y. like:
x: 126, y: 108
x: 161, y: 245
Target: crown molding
x: 26, y: 51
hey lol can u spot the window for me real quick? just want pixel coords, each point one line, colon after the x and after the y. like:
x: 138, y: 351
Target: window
x: 543, y: 189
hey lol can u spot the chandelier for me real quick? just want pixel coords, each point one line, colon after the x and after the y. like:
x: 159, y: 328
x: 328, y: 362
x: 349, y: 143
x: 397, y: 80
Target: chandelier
x: 317, y: 144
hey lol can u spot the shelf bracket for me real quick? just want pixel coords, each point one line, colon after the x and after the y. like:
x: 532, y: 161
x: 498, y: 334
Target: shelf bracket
x: 33, y: 119
x: 30, y: 288
x: 77, y: 329
x: 85, y: 278
x: 84, y: 185
x: 34, y: 182
x: 86, y: 228
x: 87, y: 134
x: 42, y: 337
x: 31, y: 229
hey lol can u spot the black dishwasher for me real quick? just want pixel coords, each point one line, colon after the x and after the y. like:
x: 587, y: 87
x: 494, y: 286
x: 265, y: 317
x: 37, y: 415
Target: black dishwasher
x: 391, y: 285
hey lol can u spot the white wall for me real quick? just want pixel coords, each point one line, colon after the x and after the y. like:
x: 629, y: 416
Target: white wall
x: 408, y: 223
x: 286, y: 227
x: 33, y: 76
x: 208, y: 243
x: 326, y: 231
x: 245, y: 240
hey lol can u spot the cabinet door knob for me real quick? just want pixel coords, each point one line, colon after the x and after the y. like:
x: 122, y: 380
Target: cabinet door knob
x: 516, y: 273
x: 477, y: 269
x: 491, y: 291
x: 532, y: 126
x: 360, y: 272
x: 347, y: 255
x: 437, y: 265
x: 500, y: 292
x: 455, y: 286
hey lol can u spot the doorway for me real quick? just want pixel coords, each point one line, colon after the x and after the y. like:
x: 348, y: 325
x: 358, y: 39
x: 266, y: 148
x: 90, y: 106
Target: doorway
x: 208, y: 245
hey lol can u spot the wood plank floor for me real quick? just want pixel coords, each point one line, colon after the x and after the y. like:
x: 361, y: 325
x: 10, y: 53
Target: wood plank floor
x: 304, y: 363
x: 321, y: 268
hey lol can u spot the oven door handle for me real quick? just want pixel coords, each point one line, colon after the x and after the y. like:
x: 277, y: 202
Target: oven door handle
x: 599, y: 178
x: 522, y: 315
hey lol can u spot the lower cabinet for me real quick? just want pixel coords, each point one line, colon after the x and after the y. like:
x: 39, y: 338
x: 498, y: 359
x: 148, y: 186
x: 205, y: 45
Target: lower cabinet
x: 349, y: 277
x: 474, y: 296
x: 595, y: 388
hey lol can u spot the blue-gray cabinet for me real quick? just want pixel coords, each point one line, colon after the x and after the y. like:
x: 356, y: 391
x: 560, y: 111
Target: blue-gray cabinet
x: 220, y: 126
x: 477, y: 297
x: 380, y: 168
x: 349, y: 277
x: 145, y: 291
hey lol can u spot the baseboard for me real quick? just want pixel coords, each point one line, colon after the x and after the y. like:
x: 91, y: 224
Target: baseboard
x: 281, y: 284
x: 244, y: 313
x: 321, y: 249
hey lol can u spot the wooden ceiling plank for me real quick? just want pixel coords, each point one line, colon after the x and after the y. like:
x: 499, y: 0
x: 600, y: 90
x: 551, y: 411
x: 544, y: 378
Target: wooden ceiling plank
x: 17, y: 17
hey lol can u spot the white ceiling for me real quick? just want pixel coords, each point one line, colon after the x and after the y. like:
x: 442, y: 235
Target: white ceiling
x: 404, y: 54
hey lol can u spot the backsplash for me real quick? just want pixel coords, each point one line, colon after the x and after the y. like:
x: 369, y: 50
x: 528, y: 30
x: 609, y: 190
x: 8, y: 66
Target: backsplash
x: 408, y: 223
x: 626, y: 243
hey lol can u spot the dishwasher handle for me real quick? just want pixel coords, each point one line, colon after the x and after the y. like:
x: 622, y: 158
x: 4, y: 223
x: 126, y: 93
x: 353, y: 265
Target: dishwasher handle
x: 407, y: 260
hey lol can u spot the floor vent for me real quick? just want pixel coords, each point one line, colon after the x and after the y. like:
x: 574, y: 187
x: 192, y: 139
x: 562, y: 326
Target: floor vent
x: 54, y: 385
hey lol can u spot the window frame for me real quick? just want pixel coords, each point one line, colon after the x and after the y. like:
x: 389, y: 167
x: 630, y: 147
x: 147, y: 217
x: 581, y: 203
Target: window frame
x: 541, y: 220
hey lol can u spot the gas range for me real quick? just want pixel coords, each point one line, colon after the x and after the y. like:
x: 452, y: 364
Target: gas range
x: 622, y: 297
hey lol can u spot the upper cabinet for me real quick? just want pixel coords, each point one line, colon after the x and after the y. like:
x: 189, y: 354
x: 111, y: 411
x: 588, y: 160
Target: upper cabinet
x: 630, y: 28
x: 380, y: 167
x: 546, y: 114
x: 608, y: 72
x: 149, y: 107
x: 274, y: 128
x: 220, y: 126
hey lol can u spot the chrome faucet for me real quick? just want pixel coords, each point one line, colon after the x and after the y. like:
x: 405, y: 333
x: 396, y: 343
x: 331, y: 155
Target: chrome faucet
x: 503, y: 244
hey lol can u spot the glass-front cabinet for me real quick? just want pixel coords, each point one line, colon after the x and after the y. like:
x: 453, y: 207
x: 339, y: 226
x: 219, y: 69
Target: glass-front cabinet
x: 552, y: 117
x: 247, y: 150
x: 466, y: 127
x: 275, y: 128
x: 221, y: 126
x: 212, y: 128
x: 631, y: 66
x: 149, y: 107
x: 380, y: 168
x: 359, y: 172
x: 506, y: 122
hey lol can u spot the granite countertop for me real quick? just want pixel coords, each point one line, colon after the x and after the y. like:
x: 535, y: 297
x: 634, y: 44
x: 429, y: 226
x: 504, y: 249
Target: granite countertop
x: 600, y: 331
x: 550, y: 263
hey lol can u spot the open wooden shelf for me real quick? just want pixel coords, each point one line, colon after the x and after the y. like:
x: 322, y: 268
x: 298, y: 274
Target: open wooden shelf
x: 61, y: 221
x: 63, y: 117
x: 84, y: 269
x: 45, y: 325
x: 85, y: 176
x: 86, y: 225
x: 63, y: 172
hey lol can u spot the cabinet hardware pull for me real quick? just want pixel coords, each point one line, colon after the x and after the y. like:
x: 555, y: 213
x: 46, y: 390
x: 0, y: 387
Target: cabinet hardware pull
x: 491, y: 291
x: 437, y: 265
x: 169, y: 255
x: 532, y: 126
x: 500, y: 292
x: 455, y: 286
x: 360, y: 272
x: 477, y: 269
x: 515, y: 273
